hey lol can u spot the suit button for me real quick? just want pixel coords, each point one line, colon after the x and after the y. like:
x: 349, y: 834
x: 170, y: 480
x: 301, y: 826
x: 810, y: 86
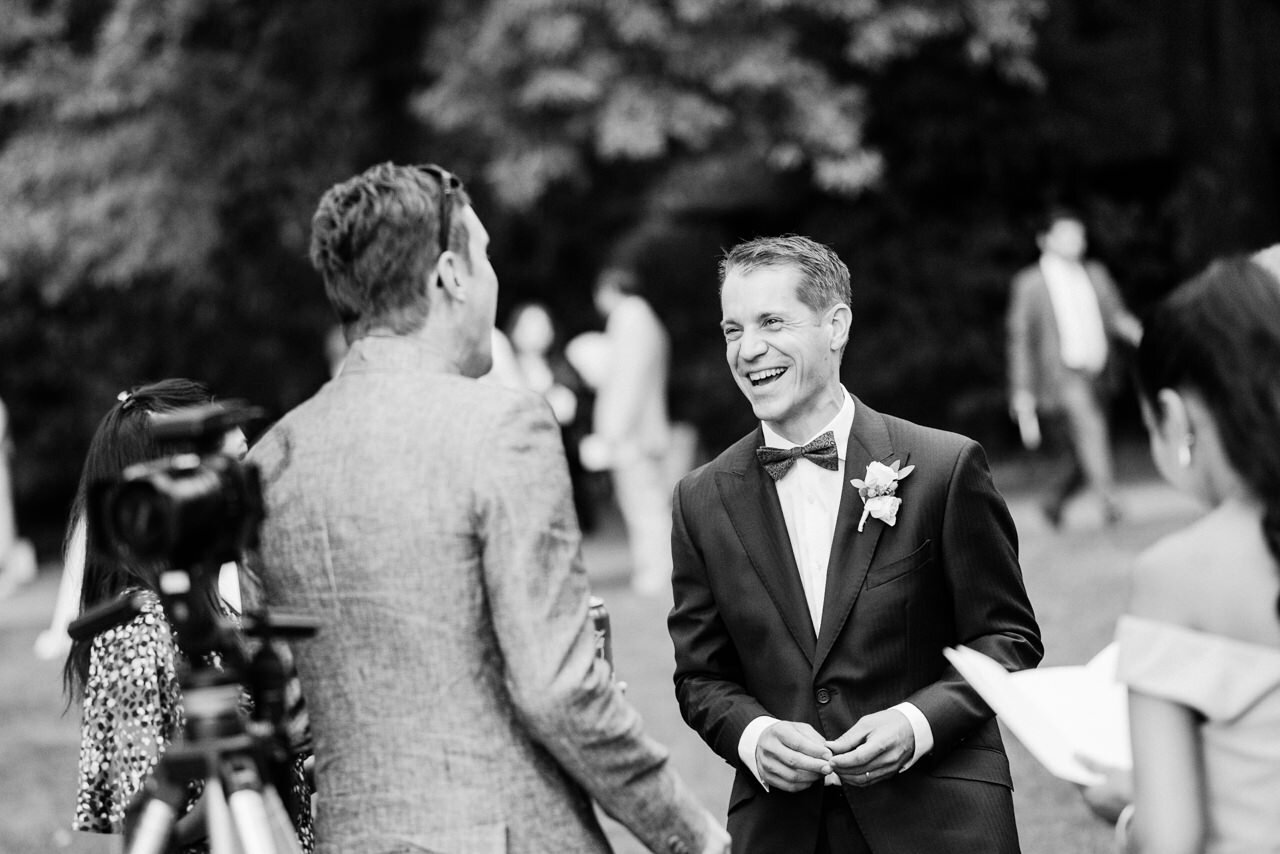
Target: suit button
x: 824, y: 696
x: 676, y: 845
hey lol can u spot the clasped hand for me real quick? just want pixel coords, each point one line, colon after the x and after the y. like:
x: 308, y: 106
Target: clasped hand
x: 792, y: 756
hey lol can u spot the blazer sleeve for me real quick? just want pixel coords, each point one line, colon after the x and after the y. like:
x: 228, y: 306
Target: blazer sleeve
x: 709, y: 675
x: 991, y: 610
x: 1018, y: 335
x: 1114, y: 313
x: 538, y: 596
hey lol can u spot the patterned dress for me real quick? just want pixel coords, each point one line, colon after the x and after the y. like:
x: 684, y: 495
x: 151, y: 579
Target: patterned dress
x: 132, y: 710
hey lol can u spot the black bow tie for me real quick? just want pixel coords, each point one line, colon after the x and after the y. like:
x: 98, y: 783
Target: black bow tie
x: 822, y: 450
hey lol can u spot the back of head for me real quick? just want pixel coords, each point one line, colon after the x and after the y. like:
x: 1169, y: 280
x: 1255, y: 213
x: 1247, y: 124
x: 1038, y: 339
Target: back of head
x: 375, y: 239
x: 1219, y: 335
x: 824, y: 278
x: 123, y: 438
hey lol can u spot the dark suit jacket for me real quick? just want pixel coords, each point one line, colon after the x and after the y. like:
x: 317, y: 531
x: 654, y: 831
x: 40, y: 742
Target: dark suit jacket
x: 1034, y: 346
x: 946, y: 574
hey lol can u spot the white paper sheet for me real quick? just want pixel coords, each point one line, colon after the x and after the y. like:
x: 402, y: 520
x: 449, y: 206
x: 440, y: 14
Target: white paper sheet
x: 1058, y: 713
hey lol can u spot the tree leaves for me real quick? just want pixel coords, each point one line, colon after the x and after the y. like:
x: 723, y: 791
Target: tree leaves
x: 650, y: 81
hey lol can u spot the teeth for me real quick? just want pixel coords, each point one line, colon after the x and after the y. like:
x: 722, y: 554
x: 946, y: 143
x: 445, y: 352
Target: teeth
x: 768, y: 374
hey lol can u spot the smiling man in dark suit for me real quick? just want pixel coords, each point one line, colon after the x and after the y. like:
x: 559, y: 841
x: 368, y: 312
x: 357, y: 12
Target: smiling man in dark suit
x: 821, y: 565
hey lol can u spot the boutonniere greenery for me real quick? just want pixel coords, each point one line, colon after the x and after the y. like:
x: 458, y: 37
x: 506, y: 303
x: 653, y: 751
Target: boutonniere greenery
x: 878, y: 488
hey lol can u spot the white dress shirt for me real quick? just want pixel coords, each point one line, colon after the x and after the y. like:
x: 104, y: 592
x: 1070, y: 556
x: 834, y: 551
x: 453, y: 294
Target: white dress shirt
x: 810, y: 499
x: 1081, y: 332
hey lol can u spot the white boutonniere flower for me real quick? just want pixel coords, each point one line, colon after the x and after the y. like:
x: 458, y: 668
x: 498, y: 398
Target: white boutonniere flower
x: 877, y: 488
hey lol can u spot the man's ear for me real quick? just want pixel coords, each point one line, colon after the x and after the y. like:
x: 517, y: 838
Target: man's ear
x: 841, y: 324
x: 447, y: 268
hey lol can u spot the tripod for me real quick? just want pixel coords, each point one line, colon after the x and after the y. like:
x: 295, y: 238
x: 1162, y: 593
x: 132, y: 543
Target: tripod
x: 242, y: 760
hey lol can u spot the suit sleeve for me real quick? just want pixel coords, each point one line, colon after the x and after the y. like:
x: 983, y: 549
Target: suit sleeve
x: 708, y: 674
x: 991, y: 611
x: 1115, y: 316
x: 1018, y: 323
x: 538, y: 596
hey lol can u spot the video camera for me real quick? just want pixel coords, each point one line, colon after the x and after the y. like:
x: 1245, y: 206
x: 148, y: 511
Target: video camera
x: 192, y: 512
x: 200, y: 505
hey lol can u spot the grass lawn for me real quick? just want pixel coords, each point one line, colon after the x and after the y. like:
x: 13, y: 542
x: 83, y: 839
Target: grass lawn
x: 1076, y: 579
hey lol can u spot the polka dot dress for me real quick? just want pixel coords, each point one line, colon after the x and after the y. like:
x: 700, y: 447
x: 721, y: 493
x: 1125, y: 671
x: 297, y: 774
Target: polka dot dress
x: 132, y: 710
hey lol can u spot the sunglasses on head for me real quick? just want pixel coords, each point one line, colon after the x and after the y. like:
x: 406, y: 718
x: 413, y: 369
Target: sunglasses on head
x: 449, y: 187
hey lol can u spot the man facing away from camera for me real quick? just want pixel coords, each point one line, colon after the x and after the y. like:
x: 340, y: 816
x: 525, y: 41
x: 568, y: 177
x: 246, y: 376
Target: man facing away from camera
x: 822, y: 564
x: 425, y: 520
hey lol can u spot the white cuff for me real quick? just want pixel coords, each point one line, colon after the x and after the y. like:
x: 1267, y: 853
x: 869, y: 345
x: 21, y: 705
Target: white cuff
x: 920, y: 728
x: 747, y: 745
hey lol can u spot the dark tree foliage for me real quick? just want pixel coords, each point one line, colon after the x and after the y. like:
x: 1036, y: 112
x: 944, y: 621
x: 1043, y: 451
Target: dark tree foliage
x: 159, y: 166
x: 160, y: 160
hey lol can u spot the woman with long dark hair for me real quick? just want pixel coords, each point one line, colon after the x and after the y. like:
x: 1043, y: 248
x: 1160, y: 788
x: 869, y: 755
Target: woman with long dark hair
x: 1199, y: 646
x: 127, y: 676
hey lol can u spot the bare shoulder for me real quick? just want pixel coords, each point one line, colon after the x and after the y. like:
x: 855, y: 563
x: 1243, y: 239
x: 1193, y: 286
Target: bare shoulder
x: 1214, y: 575
x: 1164, y: 575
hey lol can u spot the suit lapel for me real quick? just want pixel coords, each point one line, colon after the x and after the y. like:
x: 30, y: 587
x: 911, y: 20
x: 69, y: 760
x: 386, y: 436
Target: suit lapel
x: 751, y: 500
x: 851, y: 551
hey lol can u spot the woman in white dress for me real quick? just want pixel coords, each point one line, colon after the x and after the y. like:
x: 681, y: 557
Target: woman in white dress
x: 1200, y: 642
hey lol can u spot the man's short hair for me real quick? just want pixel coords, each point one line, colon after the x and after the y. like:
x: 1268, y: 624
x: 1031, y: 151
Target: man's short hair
x: 824, y: 278
x: 375, y: 241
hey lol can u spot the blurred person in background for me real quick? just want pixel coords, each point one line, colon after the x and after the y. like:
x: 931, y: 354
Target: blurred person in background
x: 631, y: 432
x: 1199, y: 644
x: 17, y: 555
x: 127, y: 676
x: 425, y: 520
x: 543, y: 368
x: 818, y: 577
x: 1064, y: 321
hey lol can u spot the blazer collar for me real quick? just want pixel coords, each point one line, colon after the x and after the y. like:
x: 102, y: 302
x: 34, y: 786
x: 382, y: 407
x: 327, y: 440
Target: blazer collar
x: 851, y: 550
x: 386, y: 353
x: 751, y: 502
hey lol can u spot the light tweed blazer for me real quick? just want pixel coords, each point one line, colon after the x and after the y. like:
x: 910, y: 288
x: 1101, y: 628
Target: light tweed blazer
x: 425, y: 520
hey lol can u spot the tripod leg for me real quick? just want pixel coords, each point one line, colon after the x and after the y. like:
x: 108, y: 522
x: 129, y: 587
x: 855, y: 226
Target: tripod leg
x: 252, y: 806
x: 151, y: 834
x: 163, y: 797
x: 282, y: 830
x: 222, y: 831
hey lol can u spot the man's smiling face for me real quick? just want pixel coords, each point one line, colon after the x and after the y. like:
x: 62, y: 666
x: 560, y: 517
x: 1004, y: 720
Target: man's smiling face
x: 785, y: 356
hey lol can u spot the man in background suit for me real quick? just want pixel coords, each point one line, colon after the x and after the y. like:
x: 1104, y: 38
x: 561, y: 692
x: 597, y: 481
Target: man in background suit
x: 809, y: 620
x: 425, y: 520
x: 631, y: 425
x: 1065, y: 318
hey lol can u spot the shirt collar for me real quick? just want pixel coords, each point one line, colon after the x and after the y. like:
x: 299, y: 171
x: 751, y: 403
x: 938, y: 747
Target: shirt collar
x: 1055, y: 265
x: 841, y: 425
